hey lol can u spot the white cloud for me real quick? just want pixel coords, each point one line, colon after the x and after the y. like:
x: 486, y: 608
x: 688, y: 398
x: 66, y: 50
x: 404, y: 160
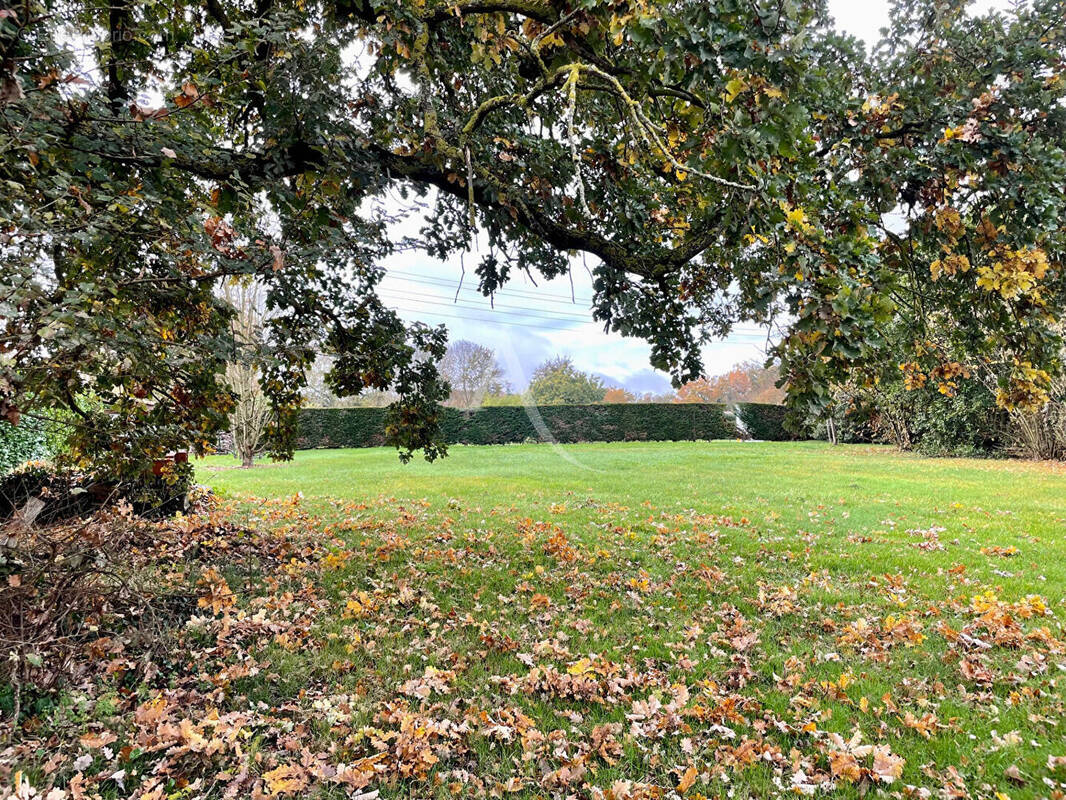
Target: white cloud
x: 866, y: 18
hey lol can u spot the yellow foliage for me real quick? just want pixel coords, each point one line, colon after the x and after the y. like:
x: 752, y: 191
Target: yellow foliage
x: 949, y: 266
x: 1026, y: 390
x: 734, y: 88
x: 945, y: 376
x: 286, y: 779
x: 913, y: 377
x: 796, y: 218
x: 1014, y: 273
x: 949, y: 222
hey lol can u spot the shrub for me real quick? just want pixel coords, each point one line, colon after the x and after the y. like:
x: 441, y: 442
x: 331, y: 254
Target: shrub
x: 1041, y: 434
x: 968, y: 424
x: 26, y: 441
x: 45, y: 494
x: 365, y: 427
x: 62, y: 587
x: 764, y: 421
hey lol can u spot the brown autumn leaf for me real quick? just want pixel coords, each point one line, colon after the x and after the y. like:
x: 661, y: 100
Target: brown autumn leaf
x: 845, y: 766
x: 93, y: 741
x: 279, y: 257
x: 286, y: 779
x: 687, y: 780
x: 187, y: 96
x: 886, y: 767
x: 973, y: 670
x: 1014, y: 775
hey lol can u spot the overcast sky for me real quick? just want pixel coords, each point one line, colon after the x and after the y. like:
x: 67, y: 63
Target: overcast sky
x: 531, y: 323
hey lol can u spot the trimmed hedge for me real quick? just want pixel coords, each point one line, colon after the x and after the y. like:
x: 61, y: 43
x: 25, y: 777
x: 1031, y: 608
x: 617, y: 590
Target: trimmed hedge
x: 764, y: 421
x: 365, y: 427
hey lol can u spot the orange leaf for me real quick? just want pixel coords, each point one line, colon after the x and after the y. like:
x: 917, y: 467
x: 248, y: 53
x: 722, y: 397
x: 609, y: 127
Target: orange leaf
x: 687, y: 780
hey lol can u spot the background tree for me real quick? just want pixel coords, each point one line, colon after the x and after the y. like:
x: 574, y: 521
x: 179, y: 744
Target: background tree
x: 658, y: 397
x: 317, y: 393
x: 700, y: 390
x: 617, y: 394
x: 748, y: 382
x: 251, y: 409
x: 510, y: 399
x: 473, y: 372
x: 557, y: 382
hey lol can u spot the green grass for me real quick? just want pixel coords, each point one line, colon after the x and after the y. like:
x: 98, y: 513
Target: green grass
x: 805, y: 487
x: 654, y: 559
x: 599, y: 621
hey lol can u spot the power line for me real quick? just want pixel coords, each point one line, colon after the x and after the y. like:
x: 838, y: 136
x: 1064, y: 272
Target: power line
x: 523, y: 313
x: 511, y: 323
x: 537, y: 295
x: 500, y: 309
x: 519, y: 311
x: 450, y: 299
x: 454, y: 290
x: 530, y: 317
x: 566, y: 324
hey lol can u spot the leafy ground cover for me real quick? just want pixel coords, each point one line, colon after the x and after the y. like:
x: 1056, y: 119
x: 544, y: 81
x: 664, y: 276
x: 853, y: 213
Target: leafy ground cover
x: 617, y: 621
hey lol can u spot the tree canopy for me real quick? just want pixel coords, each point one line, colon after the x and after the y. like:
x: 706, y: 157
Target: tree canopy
x: 472, y: 372
x: 557, y: 382
x: 716, y: 162
x: 748, y: 382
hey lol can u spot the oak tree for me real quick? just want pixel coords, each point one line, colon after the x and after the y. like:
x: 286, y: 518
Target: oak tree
x: 716, y: 162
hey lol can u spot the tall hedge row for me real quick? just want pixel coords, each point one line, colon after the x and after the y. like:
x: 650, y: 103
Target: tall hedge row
x: 365, y: 427
x: 764, y: 421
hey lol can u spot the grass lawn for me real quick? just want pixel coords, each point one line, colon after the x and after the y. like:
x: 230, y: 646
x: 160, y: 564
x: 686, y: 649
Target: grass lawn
x: 615, y: 621
x: 703, y: 615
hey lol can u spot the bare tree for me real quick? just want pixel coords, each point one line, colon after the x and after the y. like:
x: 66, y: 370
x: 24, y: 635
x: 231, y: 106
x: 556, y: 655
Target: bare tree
x: 473, y: 372
x: 317, y: 393
x: 250, y: 414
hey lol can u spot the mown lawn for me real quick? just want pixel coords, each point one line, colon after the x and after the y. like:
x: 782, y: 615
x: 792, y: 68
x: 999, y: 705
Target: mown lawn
x: 768, y: 595
x: 619, y: 621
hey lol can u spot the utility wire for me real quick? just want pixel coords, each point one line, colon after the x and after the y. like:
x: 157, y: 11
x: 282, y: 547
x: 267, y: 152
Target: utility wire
x: 433, y: 282
x: 503, y: 291
x: 520, y: 311
x: 566, y: 324
x: 497, y: 309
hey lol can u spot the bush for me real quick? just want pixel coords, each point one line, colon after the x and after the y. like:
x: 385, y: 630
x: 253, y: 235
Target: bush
x: 1041, y: 434
x: 968, y: 424
x: 764, y: 421
x: 106, y: 583
x: 62, y: 587
x: 365, y: 427
x: 341, y: 427
x: 20, y: 443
